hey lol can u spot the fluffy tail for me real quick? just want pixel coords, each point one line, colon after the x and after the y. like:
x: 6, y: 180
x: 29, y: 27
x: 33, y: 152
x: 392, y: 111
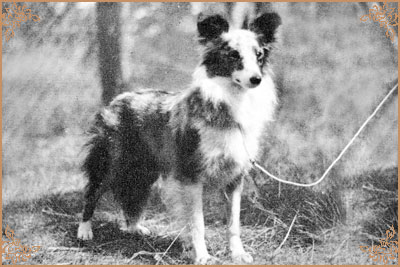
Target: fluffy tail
x: 96, y: 164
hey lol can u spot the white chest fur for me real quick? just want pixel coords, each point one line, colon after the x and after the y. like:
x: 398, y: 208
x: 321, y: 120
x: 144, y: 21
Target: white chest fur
x: 251, y: 109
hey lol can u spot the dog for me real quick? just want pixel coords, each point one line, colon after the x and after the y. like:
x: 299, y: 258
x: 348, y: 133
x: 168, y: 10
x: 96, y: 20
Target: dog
x: 197, y: 138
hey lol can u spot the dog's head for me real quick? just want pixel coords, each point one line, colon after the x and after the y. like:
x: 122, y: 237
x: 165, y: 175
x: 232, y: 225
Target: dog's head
x: 239, y: 55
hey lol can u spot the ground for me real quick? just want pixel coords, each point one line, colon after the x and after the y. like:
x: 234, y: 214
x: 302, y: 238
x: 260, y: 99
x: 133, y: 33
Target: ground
x: 52, y: 222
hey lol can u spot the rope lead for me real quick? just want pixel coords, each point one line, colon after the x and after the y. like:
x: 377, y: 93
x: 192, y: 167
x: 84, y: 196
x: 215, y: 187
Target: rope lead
x: 254, y: 163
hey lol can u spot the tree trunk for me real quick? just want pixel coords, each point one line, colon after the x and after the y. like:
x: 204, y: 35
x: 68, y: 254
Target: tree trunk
x: 109, y: 37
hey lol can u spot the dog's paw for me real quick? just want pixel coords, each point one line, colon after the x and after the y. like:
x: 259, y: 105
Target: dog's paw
x: 141, y: 230
x: 206, y: 260
x: 242, y: 257
x: 85, y: 231
x: 137, y: 229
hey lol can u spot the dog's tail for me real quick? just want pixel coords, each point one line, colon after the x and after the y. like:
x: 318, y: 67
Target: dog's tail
x: 97, y: 162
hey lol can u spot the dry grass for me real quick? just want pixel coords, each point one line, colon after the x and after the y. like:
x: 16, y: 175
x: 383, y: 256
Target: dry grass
x: 52, y: 221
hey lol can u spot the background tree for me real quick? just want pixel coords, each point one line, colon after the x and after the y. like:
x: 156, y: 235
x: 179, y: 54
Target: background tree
x: 109, y: 36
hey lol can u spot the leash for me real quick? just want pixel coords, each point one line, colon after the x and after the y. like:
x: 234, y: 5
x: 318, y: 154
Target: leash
x: 255, y: 163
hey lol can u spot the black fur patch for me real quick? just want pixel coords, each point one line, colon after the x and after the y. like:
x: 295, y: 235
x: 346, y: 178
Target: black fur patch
x: 134, y: 151
x: 97, y: 161
x: 96, y: 164
x: 211, y: 27
x: 265, y: 26
x: 221, y: 60
x: 187, y: 143
x: 216, y: 115
x: 135, y: 168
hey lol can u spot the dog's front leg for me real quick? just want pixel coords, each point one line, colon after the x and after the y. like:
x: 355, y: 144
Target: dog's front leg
x: 239, y: 255
x: 194, y: 194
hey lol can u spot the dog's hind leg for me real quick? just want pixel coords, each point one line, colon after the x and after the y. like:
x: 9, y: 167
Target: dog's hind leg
x: 133, y: 208
x: 92, y: 195
x: 133, y: 195
x: 96, y: 167
x: 239, y: 255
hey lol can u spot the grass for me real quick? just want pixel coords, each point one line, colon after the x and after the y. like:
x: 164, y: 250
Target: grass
x: 52, y: 221
x: 331, y: 70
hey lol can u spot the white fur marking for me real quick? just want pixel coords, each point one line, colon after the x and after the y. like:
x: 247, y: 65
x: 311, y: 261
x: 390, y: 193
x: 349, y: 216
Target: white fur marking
x: 136, y: 228
x: 85, y: 231
x: 239, y: 255
x: 197, y: 225
x: 110, y: 118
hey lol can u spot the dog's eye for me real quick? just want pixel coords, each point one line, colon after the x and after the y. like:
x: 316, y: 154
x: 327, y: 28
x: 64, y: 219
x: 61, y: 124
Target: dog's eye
x: 259, y: 55
x: 234, y: 55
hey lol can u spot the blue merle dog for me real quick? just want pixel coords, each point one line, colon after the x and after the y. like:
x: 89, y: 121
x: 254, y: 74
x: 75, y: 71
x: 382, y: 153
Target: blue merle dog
x: 193, y: 138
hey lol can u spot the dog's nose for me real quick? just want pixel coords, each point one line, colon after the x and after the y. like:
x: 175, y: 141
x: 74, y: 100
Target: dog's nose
x: 255, y: 80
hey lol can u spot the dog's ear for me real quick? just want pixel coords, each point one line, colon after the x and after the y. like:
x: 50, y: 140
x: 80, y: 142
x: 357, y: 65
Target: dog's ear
x: 265, y: 26
x: 211, y: 27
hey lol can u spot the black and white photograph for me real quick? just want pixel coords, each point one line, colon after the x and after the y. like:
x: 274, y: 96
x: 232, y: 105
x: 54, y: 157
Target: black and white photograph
x: 205, y: 133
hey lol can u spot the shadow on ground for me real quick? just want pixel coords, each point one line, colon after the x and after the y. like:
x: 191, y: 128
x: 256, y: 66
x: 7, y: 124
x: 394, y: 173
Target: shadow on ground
x: 53, y: 221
